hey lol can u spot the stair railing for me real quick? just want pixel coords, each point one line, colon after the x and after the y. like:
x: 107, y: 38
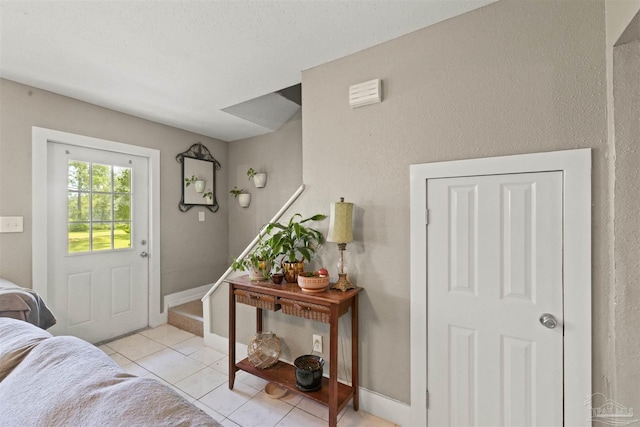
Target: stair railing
x: 248, y: 249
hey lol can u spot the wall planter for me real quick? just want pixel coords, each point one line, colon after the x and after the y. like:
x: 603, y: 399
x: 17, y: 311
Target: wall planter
x: 244, y: 199
x: 260, y: 180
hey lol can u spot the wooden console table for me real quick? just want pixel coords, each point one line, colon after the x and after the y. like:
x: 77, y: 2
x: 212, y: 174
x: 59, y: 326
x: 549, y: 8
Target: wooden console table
x: 327, y: 307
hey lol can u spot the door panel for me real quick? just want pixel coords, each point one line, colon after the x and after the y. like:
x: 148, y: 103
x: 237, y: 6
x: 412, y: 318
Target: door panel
x: 494, y: 261
x: 98, y: 226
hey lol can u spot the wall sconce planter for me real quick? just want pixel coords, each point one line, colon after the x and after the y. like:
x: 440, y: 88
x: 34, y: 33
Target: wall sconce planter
x: 259, y: 178
x: 244, y: 199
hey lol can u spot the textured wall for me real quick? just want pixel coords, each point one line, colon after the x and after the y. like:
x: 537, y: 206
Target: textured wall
x: 513, y: 77
x: 193, y: 253
x: 626, y: 315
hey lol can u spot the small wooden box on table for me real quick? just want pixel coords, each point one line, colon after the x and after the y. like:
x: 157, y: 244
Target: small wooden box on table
x: 326, y: 307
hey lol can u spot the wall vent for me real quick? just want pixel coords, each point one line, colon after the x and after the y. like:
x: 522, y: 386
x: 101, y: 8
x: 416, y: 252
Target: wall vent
x: 365, y: 93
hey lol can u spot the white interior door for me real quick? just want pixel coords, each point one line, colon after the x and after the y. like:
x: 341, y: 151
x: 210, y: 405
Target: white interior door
x: 494, y: 267
x: 97, y: 241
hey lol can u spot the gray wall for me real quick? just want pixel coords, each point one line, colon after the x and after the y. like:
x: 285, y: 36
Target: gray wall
x: 279, y: 154
x: 514, y: 77
x: 193, y: 253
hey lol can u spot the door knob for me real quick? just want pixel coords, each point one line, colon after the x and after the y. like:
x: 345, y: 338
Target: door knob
x: 144, y: 255
x: 548, y: 320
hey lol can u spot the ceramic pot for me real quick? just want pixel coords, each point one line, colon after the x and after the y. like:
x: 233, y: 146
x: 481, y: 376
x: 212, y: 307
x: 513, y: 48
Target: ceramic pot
x: 260, y: 180
x: 244, y: 199
x: 291, y: 270
x: 309, y: 372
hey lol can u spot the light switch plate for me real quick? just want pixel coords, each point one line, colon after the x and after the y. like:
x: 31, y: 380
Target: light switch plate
x: 11, y: 224
x: 201, y: 216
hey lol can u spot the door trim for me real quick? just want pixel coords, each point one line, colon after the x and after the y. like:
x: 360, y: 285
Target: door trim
x: 576, y: 168
x: 39, y: 139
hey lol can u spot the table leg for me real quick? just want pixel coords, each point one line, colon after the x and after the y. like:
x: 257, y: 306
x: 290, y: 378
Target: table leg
x: 354, y: 352
x: 258, y: 320
x: 333, y: 367
x: 232, y: 337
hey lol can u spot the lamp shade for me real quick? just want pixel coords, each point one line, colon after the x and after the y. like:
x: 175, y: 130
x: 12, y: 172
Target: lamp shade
x: 341, y: 222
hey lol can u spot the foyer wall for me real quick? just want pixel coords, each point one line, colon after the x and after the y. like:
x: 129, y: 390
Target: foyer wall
x: 192, y: 253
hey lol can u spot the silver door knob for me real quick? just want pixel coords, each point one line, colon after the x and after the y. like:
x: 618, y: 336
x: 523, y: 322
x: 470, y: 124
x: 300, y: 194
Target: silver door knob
x: 548, y: 320
x: 143, y: 255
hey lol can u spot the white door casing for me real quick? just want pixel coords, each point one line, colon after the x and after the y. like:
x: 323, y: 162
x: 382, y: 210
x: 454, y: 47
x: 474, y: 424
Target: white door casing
x: 97, y: 291
x: 575, y: 166
x: 494, y: 267
x: 40, y: 226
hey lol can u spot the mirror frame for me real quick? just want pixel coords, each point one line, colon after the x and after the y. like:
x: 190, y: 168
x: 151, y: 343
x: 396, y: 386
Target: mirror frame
x: 197, y: 160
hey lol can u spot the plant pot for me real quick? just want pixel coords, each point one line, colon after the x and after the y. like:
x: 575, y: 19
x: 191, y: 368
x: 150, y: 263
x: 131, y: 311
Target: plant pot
x: 277, y: 278
x: 309, y: 372
x: 259, y: 272
x: 199, y: 186
x: 291, y: 270
x: 260, y: 180
x: 313, y: 284
x: 244, y: 199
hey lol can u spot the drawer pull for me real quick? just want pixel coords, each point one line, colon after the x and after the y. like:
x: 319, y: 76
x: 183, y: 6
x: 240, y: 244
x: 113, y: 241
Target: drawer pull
x: 302, y: 307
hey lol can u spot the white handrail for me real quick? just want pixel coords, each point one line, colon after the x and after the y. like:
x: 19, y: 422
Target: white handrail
x: 246, y: 251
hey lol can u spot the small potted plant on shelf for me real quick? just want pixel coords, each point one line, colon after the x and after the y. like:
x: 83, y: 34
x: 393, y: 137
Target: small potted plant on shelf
x: 244, y: 199
x: 294, y: 243
x: 259, y: 178
x: 258, y: 263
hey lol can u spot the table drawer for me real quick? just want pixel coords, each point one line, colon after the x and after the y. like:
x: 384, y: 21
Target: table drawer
x: 266, y: 302
x: 307, y: 310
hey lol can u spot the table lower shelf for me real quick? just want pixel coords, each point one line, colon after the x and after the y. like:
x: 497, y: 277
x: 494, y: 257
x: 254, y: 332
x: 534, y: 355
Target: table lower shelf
x: 284, y: 375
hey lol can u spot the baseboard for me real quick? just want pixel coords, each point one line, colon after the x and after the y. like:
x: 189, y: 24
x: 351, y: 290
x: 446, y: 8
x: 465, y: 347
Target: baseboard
x: 370, y: 401
x: 186, y: 296
x: 178, y: 298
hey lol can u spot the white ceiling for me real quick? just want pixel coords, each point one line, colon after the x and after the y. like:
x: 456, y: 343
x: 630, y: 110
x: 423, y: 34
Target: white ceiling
x: 181, y: 62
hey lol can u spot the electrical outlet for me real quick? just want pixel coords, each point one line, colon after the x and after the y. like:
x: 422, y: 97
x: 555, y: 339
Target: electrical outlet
x: 317, y: 343
x: 11, y: 224
x: 201, y: 216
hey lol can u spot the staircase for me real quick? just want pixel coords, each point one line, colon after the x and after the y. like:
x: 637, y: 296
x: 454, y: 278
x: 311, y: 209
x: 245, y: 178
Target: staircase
x: 187, y: 317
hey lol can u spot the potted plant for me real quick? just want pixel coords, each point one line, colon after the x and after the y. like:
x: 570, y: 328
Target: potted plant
x: 198, y: 183
x: 259, y: 178
x: 294, y: 243
x: 243, y: 198
x: 257, y: 263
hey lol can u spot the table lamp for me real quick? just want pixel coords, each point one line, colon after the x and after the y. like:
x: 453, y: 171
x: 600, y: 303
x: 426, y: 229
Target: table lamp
x: 341, y: 232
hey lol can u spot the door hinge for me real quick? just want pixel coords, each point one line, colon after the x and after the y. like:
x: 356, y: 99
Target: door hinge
x: 426, y: 216
x: 427, y: 399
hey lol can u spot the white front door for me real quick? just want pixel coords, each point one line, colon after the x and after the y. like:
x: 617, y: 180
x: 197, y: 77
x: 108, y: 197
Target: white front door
x: 494, y: 267
x: 97, y: 241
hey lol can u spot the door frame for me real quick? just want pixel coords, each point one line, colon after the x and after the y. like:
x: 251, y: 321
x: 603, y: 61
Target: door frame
x: 576, y: 263
x: 40, y: 137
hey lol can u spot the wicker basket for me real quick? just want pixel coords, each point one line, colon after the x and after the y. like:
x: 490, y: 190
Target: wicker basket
x: 267, y: 302
x: 264, y: 350
x: 319, y: 313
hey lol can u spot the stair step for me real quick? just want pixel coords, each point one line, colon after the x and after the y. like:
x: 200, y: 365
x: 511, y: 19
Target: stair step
x: 188, y: 317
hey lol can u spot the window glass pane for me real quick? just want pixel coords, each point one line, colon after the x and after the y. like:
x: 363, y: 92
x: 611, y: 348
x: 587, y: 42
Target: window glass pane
x: 122, y: 235
x: 101, y: 236
x: 101, y: 208
x: 78, y: 206
x: 122, y: 207
x: 79, y: 237
x: 101, y: 178
x: 78, y: 175
x: 122, y: 177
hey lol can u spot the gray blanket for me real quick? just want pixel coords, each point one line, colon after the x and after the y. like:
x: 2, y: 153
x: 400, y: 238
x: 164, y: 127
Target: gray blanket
x: 64, y: 381
x: 24, y: 304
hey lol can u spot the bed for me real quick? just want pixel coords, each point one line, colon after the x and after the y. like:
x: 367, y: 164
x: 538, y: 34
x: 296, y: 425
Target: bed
x: 65, y: 381
x: 21, y: 303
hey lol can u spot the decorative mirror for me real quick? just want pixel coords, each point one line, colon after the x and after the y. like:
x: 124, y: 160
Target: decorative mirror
x: 198, y: 178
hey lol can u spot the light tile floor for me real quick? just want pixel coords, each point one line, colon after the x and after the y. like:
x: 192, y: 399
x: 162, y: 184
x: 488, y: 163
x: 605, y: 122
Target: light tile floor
x: 181, y: 361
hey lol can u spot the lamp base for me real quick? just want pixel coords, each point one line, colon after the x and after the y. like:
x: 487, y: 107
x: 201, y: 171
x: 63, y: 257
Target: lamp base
x: 343, y: 283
